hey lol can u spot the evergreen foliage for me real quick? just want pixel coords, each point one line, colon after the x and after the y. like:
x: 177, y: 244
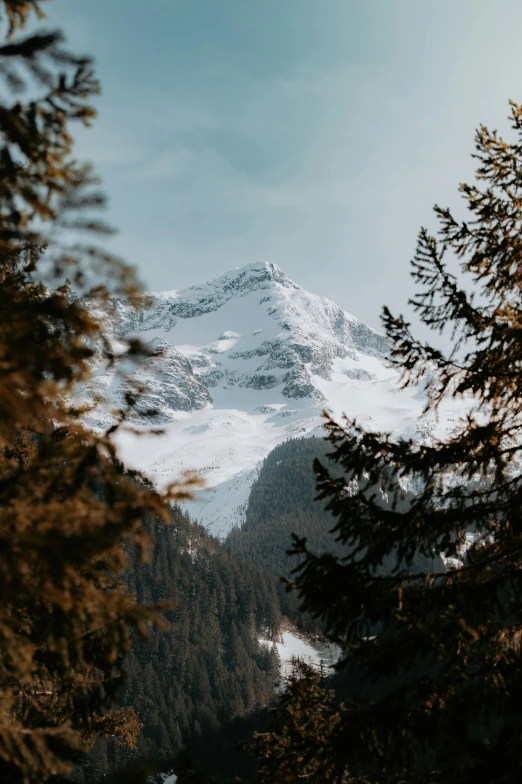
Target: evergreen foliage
x: 280, y: 504
x: 68, y: 513
x: 300, y: 731
x: 189, y: 682
x: 443, y: 645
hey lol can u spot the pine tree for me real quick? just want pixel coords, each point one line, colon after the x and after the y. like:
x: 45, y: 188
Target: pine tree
x: 434, y: 656
x: 300, y: 730
x: 68, y: 513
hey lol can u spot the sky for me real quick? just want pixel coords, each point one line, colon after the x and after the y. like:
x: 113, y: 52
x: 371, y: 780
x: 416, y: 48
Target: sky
x: 316, y: 134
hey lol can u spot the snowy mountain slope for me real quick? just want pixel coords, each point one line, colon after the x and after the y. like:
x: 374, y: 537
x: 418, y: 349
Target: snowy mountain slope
x: 293, y: 645
x: 245, y: 362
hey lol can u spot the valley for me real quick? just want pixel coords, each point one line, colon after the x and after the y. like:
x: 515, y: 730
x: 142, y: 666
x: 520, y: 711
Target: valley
x: 239, y: 373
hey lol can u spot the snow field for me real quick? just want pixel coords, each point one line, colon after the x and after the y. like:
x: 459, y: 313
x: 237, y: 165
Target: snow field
x: 292, y: 646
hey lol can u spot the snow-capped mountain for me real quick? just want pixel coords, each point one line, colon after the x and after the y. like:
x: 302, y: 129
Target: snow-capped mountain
x: 243, y: 363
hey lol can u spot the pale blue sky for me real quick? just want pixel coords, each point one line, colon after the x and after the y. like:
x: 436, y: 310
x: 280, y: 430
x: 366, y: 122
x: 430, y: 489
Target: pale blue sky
x: 316, y: 134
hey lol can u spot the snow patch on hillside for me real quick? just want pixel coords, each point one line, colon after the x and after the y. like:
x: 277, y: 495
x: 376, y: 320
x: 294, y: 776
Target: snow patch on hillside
x: 312, y: 650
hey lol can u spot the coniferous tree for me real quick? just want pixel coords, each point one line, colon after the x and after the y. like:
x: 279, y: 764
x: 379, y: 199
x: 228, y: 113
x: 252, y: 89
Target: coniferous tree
x: 68, y: 513
x: 279, y: 504
x: 296, y: 746
x: 192, y: 680
x: 434, y: 656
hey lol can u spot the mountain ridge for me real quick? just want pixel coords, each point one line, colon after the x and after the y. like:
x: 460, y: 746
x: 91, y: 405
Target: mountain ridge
x: 287, y: 303
x: 241, y: 364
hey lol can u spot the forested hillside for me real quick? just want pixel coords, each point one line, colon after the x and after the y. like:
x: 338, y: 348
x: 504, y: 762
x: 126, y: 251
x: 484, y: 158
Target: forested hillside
x: 203, y: 683
x: 281, y: 503
x: 208, y: 667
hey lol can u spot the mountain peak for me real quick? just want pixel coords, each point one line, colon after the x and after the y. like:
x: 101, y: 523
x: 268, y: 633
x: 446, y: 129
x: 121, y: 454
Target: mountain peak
x: 264, y: 270
x: 259, y: 267
x: 256, y: 275
x: 248, y: 360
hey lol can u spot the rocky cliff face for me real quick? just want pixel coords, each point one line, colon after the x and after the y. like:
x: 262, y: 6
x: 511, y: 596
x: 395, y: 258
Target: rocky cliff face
x: 299, y: 337
x: 239, y: 365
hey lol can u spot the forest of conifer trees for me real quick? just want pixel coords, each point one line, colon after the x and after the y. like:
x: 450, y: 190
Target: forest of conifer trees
x: 280, y: 503
x: 190, y: 681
